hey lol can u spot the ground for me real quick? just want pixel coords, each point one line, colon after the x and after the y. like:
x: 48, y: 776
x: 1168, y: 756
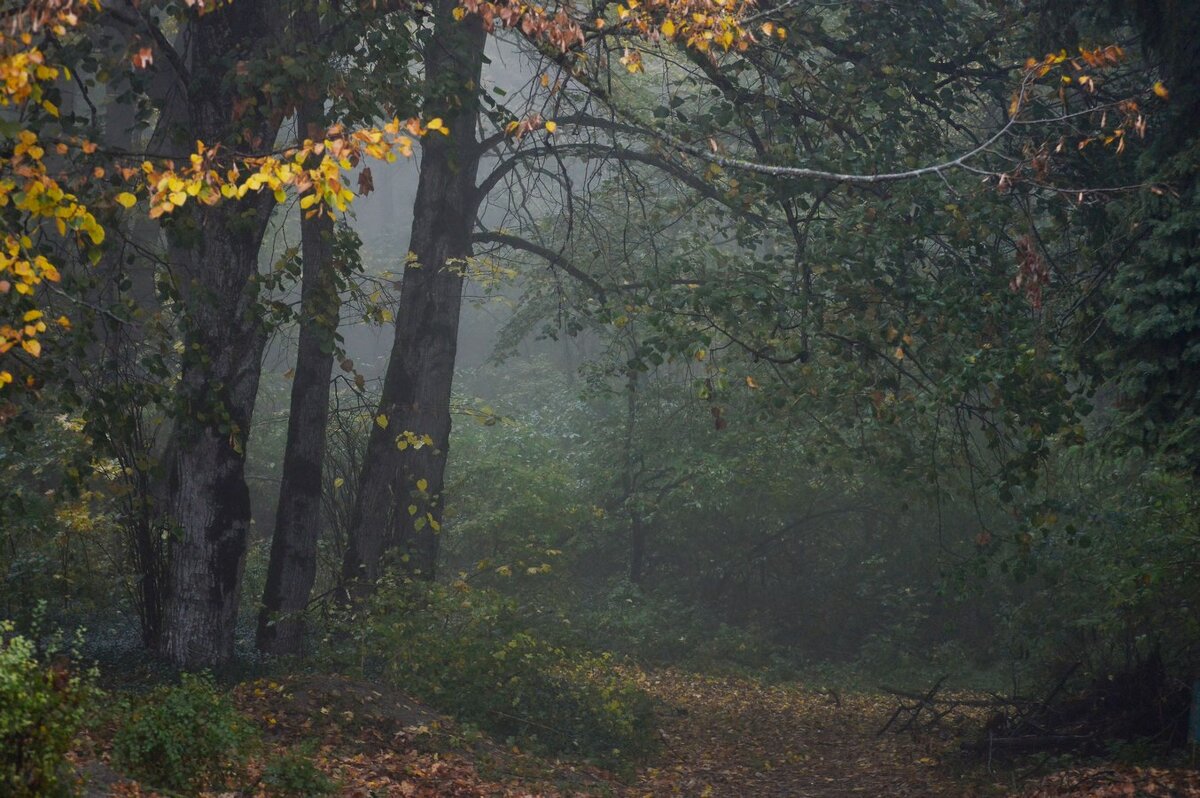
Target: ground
x: 721, y: 737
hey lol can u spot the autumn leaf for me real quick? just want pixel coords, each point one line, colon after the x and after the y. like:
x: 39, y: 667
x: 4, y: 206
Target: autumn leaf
x: 143, y: 58
x: 366, y: 182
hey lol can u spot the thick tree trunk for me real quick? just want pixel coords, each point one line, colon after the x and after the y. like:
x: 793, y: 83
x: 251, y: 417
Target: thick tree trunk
x: 400, y: 489
x: 293, y: 564
x: 209, y: 503
x: 214, y: 259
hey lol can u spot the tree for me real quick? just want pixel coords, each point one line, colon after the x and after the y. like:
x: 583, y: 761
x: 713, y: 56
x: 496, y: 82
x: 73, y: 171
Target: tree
x: 293, y: 563
x: 213, y: 251
x: 399, y: 497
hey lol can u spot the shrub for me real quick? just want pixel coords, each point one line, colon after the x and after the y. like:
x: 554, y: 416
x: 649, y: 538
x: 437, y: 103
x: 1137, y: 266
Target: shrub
x: 183, y: 738
x: 41, y: 708
x: 468, y: 652
x: 294, y: 774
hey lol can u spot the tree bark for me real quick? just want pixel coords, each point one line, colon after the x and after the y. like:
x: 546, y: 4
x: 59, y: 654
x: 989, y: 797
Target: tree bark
x: 293, y: 564
x: 214, y: 260
x: 400, y: 491
x: 209, y: 501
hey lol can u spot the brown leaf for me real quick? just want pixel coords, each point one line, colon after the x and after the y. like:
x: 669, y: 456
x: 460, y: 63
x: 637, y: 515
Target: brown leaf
x: 366, y: 182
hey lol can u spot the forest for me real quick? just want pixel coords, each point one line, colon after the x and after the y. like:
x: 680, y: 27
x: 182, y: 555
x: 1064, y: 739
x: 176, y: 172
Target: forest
x: 632, y: 398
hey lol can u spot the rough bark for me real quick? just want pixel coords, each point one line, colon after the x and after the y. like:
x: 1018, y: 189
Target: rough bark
x: 391, y: 510
x: 209, y: 502
x: 293, y: 564
x: 214, y: 259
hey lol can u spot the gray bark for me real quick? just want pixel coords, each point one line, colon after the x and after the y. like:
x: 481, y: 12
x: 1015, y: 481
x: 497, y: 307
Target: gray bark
x: 293, y: 564
x: 214, y: 260
x: 391, y: 511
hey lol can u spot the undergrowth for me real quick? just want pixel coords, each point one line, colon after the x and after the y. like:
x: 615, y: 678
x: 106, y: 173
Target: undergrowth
x: 469, y: 653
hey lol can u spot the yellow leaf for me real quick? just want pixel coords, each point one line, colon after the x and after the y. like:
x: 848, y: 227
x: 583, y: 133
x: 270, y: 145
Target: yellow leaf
x: 422, y: 485
x: 551, y: 127
x: 381, y: 420
x: 337, y: 483
x: 126, y: 200
x: 668, y: 29
x: 1161, y: 90
x: 435, y: 123
x: 33, y: 346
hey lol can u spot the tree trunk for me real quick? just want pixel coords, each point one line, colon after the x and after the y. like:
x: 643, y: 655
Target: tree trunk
x: 629, y: 484
x: 214, y: 259
x: 400, y: 491
x: 209, y: 502
x: 293, y: 564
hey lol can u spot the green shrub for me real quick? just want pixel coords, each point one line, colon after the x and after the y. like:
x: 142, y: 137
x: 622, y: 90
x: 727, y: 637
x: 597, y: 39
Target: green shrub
x: 41, y: 708
x: 469, y: 653
x: 294, y: 774
x: 183, y: 738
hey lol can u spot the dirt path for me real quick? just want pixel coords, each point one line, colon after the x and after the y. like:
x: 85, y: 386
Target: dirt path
x: 722, y: 738
x: 734, y: 737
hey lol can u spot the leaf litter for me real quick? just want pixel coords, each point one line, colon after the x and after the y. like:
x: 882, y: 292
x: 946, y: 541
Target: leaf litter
x: 721, y: 736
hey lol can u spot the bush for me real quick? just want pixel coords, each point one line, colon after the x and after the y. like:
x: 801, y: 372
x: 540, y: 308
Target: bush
x: 183, y: 738
x: 41, y: 708
x: 294, y: 774
x: 467, y: 652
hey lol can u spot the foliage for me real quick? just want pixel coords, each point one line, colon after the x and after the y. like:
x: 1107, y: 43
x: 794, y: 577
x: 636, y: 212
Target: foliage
x: 43, y: 704
x: 1107, y: 558
x: 31, y: 200
x: 55, y: 523
x: 294, y: 774
x: 187, y: 737
x: 470, y: 653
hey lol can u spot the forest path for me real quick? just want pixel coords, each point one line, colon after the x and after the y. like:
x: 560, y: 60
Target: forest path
x: 739, y: 737
x: 723, y: 737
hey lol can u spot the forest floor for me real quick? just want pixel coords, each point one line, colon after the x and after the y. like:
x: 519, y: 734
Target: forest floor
x: 721, y: 737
